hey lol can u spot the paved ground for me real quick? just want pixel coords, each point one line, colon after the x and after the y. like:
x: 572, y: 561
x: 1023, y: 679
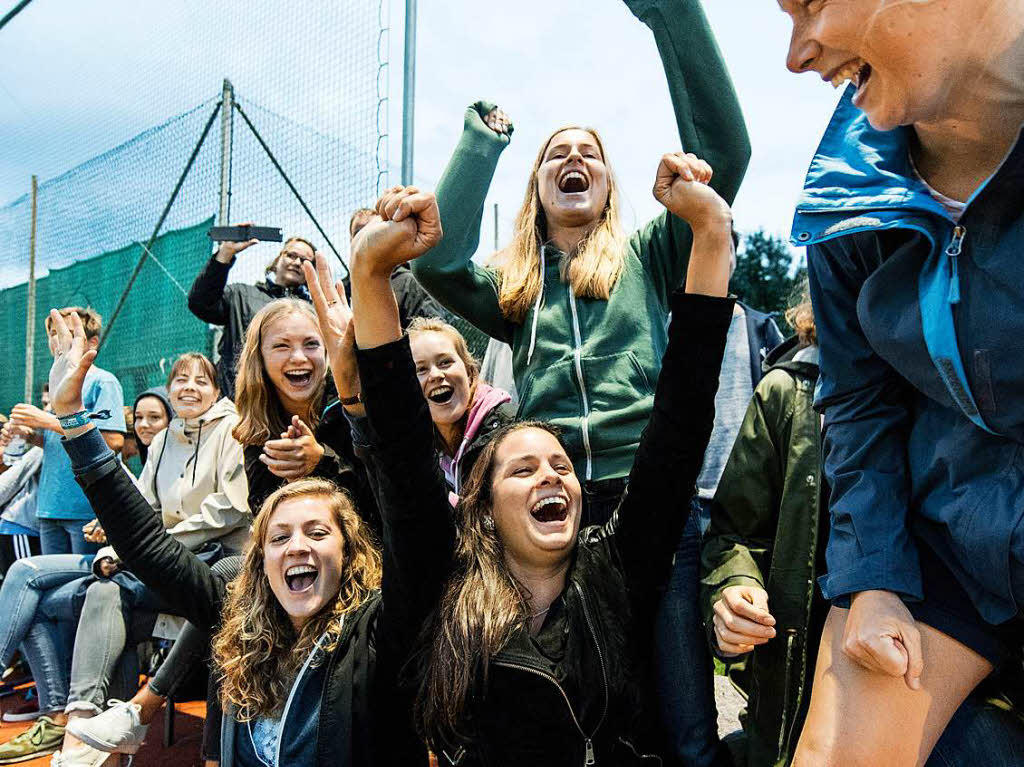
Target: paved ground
x: 729, y: 703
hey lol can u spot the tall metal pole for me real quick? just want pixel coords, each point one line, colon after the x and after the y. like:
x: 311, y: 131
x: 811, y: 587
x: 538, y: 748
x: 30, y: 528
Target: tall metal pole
x: 227, y: 112
x: 409, y: 91
x: 30, y: 321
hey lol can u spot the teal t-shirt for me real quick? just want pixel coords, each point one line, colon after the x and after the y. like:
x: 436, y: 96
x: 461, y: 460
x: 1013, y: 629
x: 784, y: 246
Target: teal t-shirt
x: 59, y: 496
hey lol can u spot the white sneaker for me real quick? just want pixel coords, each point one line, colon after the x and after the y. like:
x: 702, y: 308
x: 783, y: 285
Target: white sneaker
x: 116, y: 731
x: 83, y: 755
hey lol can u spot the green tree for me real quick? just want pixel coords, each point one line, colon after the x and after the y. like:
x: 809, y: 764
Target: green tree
x: 767, y: 274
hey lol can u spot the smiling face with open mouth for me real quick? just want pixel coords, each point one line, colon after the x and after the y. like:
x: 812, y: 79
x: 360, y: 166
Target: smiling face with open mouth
x: 192, y: 392
x: 293, y: 358
x: 572, y: 179
x: 901, y: 56
x: 442, y: 375
x: 303, y: 557
x: 536, y: 498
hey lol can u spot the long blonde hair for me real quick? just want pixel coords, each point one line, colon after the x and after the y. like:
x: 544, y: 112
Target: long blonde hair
x: 259, y: 407
x: 592, y: 270
x: 257, y: 651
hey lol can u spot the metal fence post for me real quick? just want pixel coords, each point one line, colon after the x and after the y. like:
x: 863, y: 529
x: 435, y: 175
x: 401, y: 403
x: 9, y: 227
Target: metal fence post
x: 227, y: 113
x: 30, y: 313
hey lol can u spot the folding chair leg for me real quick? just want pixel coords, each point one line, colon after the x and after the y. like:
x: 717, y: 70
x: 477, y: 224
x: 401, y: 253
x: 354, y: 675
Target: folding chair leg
x: 169, y: 722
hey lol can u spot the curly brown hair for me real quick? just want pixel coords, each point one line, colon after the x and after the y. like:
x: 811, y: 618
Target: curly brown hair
x: 257, y: 651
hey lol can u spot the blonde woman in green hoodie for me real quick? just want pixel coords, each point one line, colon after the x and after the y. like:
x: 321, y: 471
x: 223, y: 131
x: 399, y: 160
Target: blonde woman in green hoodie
x: 583, y: 306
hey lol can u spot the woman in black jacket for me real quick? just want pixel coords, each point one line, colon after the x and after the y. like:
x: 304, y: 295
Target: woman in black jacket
x: 302, y: 637
x: 538, y: 651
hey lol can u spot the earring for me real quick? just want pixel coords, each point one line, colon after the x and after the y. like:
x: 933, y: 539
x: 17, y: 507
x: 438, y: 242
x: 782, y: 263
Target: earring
x: 489, y: 524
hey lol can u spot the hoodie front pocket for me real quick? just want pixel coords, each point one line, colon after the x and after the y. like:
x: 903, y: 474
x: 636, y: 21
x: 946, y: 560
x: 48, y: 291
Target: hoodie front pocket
x: 620, y: 397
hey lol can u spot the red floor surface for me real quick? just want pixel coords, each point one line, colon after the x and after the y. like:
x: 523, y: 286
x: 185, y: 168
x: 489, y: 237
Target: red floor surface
x: 185, y: 751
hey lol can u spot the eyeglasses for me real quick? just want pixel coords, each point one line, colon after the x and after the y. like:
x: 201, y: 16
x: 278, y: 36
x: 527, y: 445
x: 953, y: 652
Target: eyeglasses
x: 294, y: 256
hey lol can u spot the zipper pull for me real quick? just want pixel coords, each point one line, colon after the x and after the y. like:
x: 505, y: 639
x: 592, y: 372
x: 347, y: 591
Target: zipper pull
x: 952, y: 252
x: 590, y: 753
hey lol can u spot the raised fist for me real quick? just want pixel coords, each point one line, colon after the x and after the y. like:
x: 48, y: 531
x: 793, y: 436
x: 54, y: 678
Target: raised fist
x: 410, y: 225
x: 681, y: 185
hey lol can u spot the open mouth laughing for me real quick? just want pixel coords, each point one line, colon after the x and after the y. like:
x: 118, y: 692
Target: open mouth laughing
x: 300, y: 378
x: 573, y: 182
x: 301, y: 578
x: 856, y: 71
x: 441, y: 395
x: 554, y: 508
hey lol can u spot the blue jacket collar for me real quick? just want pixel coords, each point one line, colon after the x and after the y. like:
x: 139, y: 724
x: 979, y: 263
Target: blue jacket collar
x: 860, y: 178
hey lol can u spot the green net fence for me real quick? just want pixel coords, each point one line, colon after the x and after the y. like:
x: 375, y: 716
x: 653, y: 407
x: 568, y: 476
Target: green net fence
x: 109, y: 128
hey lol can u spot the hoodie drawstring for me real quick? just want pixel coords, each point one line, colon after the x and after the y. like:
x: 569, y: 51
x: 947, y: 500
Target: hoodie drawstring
x: 536, y: 309
x: 195, y: 456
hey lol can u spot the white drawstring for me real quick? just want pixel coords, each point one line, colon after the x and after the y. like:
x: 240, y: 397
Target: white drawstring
x: 536, y: 309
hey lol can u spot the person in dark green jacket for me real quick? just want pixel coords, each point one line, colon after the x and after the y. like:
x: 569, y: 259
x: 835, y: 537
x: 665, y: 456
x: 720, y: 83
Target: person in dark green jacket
x: 583, y: 306
x: 766, y: 546
x: 761, y: 559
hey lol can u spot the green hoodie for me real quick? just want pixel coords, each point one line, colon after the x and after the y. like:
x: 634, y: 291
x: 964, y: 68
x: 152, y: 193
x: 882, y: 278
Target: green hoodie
x: 589, y: 365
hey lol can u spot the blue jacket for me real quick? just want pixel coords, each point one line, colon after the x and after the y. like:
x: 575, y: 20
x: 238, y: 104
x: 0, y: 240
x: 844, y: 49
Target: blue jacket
x: 921, y: 331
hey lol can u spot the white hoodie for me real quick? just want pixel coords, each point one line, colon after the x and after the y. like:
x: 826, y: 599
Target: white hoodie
x: 195, y: 479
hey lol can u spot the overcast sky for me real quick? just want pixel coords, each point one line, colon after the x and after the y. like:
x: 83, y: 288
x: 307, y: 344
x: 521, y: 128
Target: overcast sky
x: 78, y: 78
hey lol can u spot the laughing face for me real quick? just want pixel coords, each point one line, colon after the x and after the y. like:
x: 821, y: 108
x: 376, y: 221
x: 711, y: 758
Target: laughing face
x: 442, y: 375
x: 900, y: 55
x: 572, y: 179
x: 192, y: 392
x: 536, y: 498
x: 303, y: 557
x: 293, y: 358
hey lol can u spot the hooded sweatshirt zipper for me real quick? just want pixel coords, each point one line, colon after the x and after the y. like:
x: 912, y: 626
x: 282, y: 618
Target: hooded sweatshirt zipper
x: 588, y: 740
x: 577, y: 355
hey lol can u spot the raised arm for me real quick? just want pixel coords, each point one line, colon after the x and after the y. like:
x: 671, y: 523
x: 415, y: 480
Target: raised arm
x: 447, y: 271
x: 708, y: 117
x: 131, y: 525
x: 419, y: 535
x: 652, y: 514
x: 206, y: 297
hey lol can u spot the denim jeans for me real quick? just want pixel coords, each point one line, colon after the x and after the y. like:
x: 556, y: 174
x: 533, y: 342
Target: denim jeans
x: 980, y: 734
x: 104, y: 662
x: 38, y: 616
x: 685, y: 671
x: 64, y: 536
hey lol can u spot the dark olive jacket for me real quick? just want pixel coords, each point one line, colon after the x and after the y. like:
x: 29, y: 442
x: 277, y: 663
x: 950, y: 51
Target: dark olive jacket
x: 767, y: 529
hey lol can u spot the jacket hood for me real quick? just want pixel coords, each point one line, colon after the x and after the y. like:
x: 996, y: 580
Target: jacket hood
x: 160, y: 392
x: 794, y: 358
x: 221, y: 408
x: 487, y: 398
x: 857, y: 169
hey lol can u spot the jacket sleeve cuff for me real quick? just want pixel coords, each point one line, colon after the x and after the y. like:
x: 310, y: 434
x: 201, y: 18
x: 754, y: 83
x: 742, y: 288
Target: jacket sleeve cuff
x: 87, y: 451
x: 360, y: 430
x: 874, y: 572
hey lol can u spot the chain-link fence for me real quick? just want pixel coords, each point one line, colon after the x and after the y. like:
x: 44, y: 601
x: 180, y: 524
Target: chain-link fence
x: 298, y: 142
